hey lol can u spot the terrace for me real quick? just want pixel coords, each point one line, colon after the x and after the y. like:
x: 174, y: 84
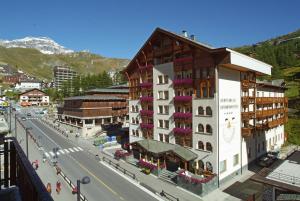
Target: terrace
x: 20, y: 180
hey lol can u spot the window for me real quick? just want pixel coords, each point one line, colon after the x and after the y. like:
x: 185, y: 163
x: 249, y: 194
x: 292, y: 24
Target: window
x: 166, y: 108
x: 235, y: 159
x: 160, y: 109
x: 160, y: 79
x: 249, y: 152
x: 209, y: 147
x: 166, y: 95
x: 258, y: 148
x: 136, y: 108
x: 167, y: 138
x: 167, y: 124
x: 209, y: 167
x: 160, y: 95
x: 223, y: 166
x: 133, y: 132
x: 132, y: 109
x: 133, y: 120
x: 166, y: 79
x: 208, y: 129
x: 136, y: 120
x: 201, y: 164
x: 200, y: 128
x: 263, y: 145
x: 160, y: 123
x: 200, y: 145
x: 208, y: 111
x: 137, y: 133
x: 200, y: 111
x: 161, y: 137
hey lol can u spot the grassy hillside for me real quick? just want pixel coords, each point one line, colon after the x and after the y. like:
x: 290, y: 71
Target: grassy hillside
x: 283, y: 53
x: 40, y: 65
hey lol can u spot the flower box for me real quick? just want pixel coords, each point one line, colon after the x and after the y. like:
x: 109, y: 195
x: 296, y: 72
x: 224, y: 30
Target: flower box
x: 183, y: 60
x: 146, y: 126
x: 182, y: 98
x: 186, y: 81
x: 146, y: 99
x: 182, y: 115
x: 146, y: 112
x: 182, y: 131
x: 146, y: 85
x: 194, y: 180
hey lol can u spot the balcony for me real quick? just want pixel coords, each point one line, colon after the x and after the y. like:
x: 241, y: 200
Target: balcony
x: 146, y: 67
x: 248, y: 115
x: 183, y: 82
x: 146, y: 85
x: 182, y: 131
x: 146, y: 99
x: 147, y: 113
x: 19, y: 172
x: 163, y: 50
x: 247, y: 132
x: 182, y: 115
x: 146, y: 126
x: 183, y: 60
x: 183, y: 99
x: 262, y: 125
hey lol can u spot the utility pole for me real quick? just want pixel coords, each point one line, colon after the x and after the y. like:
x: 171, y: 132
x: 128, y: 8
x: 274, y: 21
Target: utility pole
x: 16, y: 134
x: 9, y: 117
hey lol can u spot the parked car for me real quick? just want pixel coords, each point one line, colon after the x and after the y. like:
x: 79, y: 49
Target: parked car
x: 265, y: 161
x: 23, y: 118
x: 273, y: 154
x: 28, y: 114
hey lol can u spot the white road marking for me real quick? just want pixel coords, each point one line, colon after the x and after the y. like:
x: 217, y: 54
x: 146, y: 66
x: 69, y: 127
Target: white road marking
x: 75, y: 149
x: 80, y: 148
x: 71, y: 150
x: 47, y: 155
x: 66, y: 150
x: 61, y: 151
x: 52, y: 154
x: 57, y: 153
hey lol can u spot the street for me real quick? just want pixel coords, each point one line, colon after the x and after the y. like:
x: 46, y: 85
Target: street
x: 77, y: 163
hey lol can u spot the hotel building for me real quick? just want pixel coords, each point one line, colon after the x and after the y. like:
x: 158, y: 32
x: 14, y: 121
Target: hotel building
x: 205, y: 100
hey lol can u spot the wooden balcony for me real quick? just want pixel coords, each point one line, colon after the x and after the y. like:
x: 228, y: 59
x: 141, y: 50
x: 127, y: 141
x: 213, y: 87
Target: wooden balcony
x: 248, y: 115
x: 183, y: 99
x: 261, y: 126
x: 183, y: 67
x: 186, y: 82
x: 163, y: 51
x: 247, y: 132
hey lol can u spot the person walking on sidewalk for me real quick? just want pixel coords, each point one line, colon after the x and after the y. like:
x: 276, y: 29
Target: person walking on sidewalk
x: 58, y: 187
x: 49, y: 188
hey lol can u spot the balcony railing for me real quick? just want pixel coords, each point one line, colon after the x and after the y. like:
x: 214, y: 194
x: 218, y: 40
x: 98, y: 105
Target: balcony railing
x: 248, y: 115
x: 19, y: 172
x: 146, y: 99
x: 146, y: 126
x: 183, y: 60
x: 247, y: 131
x: 182, y: 115
x: 182, y: 131
x: 146, y: 85
x: 146, y: 113
x: 183, y: 82
x: 183, y: 98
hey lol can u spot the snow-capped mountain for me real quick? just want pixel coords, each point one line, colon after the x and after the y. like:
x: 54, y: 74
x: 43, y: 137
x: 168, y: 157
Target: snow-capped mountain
x: 43, y: 44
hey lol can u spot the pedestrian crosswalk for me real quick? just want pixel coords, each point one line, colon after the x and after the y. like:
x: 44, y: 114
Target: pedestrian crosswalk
x: 50, y: 154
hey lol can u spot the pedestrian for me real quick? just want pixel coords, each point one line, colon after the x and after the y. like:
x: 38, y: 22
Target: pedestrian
x: 58, y: 170
x: 36, y: 164
x: 49, y: 188
x: 58, y: 187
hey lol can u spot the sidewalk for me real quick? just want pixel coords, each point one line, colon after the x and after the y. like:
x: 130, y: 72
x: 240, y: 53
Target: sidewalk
x: 153, y: 182
x: 45, y: 171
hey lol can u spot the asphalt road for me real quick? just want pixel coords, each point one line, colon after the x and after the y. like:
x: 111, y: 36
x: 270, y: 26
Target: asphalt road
x: 105, y: 185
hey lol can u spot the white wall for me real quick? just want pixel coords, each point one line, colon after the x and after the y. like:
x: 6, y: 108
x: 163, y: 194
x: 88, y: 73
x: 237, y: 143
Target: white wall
x: 229, y: 118
x: 28, y: 85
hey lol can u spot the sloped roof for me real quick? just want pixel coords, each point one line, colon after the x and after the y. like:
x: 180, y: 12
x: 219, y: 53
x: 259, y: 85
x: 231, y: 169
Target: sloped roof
x: 91, y: 97
x: 158, y: 147
x: 32, y: 90
x: 108, y: 90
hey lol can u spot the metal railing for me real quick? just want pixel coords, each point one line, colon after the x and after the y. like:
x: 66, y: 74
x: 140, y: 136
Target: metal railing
x: 168, y: 196
x: 118, y: 167
x: 19, y: 172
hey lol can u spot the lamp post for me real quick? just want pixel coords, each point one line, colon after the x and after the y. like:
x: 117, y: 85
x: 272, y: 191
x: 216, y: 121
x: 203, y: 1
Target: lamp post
x: 27, y: 133
x: 84, y: 180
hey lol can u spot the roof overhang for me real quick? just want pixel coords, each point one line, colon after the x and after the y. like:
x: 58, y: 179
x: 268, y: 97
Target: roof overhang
x: 244, y: 63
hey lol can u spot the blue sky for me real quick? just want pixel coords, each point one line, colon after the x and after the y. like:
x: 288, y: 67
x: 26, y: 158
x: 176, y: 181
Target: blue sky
x: 119, y: 28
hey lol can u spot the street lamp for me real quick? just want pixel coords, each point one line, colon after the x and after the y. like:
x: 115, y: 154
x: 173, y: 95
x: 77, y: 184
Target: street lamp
x: 84, y: 180
x: 27, y: 133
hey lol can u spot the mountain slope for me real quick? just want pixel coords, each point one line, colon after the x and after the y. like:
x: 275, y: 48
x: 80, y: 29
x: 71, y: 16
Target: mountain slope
x: 41, y: 65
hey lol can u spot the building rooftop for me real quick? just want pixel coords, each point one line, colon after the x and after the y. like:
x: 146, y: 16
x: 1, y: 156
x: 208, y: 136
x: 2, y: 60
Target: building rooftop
x: 94, y: 97
x: 279, y: 83
x: 108, y: 90
x: 120, y: 86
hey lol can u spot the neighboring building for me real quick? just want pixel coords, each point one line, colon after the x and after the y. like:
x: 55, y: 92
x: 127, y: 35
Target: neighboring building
x: 34, y: 97
x: 11, y: 79
x: 281, y: 182
x: 62, y: 74
x: 27, y: 84
x: 99, y: 107
x: 205, y: 100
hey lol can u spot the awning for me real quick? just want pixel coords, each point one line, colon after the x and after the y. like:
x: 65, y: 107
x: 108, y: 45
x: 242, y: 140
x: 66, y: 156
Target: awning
x: 158, y: 147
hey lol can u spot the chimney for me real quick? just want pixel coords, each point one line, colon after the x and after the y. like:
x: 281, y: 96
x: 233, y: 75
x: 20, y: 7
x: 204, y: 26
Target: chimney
x: 184, y: 33
x: 193, y: 37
